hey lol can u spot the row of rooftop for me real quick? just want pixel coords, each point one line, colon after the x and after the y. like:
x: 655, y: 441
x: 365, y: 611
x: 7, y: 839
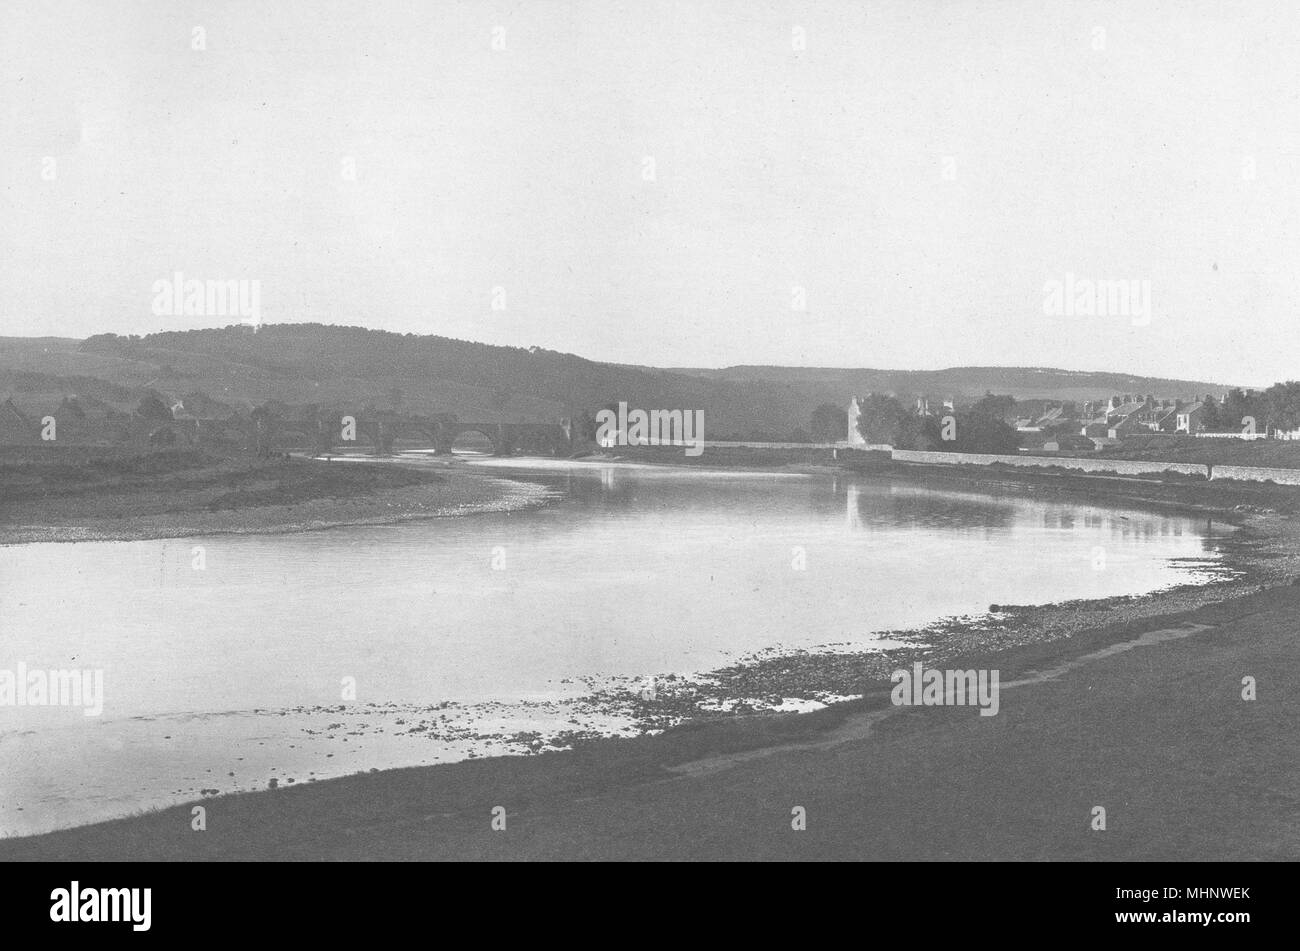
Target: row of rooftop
x: 1100, y: 422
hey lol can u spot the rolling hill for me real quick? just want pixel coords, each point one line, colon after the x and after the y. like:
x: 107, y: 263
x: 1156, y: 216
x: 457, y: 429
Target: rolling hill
x: 350, y: 366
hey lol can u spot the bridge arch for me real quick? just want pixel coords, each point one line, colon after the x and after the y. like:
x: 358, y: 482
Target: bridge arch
x: 486, y: 433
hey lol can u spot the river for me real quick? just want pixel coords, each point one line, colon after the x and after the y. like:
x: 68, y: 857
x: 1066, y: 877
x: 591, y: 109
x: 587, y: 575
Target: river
x: 233, y: 662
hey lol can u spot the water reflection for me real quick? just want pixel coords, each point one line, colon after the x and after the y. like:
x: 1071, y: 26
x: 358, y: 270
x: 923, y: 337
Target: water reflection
x: 638, y: 571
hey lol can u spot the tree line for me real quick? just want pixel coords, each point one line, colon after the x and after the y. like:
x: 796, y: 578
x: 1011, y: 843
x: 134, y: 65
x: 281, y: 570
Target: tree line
x: 981, y: 427
x: 1277, y: 407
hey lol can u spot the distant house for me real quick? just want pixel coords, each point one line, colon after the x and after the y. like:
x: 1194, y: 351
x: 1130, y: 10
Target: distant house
x: 1095, y: 423
x: 926, y: 405
x: 1156, y: 414
x: 1052, y: 417
x: 1117, y: 411
x: 1035, y: 416
x: 1130, y: 425
x: 83, y: 419
x: 1168, y: 423
x: 1131, y: 416
x: 1189, y: 419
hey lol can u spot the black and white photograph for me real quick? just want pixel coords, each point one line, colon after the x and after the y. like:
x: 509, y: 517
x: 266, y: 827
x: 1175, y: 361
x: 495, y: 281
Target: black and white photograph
x: 740, y: 431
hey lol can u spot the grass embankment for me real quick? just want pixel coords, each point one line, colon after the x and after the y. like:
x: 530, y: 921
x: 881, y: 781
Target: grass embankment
x: 115, y: 483
x: 728, y: 457
x: 1267, y: 453
x: 85, y: 494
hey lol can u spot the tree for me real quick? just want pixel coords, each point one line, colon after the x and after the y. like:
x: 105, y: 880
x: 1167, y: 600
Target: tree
x: 1232, y: 410
x: 71, y: 406
x: 923, y: 433
x: 980, y: 432
x: 322, y: 439
x: 262, y: 418
x: 994, y: 407
x: 105, y: 343
x: 1283, y: 401
x: 583, y: 426
x: 152, y: 407
x: 1240, y: 404
x: 830, y: 423
x: 1211, y: 418
x: 501, y: 396
x: 881, y: 420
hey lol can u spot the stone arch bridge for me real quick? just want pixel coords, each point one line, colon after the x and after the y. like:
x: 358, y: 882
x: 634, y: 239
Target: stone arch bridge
x: 380, y: 432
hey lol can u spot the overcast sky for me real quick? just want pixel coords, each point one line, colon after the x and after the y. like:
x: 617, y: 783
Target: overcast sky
x: 919, y: 169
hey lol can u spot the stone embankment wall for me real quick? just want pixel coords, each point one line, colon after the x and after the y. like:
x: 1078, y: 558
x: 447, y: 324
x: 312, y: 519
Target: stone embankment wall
x: 1257, y: 474
x: 1117, y: 466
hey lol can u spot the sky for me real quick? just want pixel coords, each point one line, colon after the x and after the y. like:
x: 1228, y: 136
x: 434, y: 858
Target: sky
x: 885, y: 184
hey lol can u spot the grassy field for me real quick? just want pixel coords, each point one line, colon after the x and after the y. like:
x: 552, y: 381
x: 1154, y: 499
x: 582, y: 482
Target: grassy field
x: 121, y: 483
x: 1270, y: 453
x: 81, y: 494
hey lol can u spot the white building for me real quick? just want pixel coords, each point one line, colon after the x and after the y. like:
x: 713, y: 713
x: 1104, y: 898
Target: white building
x: 854, y: 437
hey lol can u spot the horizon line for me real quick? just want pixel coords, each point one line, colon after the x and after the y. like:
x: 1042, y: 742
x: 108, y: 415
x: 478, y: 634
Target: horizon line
x: 648, y: 366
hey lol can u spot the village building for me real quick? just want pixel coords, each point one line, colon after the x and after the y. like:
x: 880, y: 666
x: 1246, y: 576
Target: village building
x: 1189, y: 419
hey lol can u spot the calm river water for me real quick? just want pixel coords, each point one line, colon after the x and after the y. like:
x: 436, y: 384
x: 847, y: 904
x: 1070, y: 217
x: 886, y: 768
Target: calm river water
x: 456, y: 631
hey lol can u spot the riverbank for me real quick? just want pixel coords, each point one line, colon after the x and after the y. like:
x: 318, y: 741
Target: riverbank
x: 1165, y: 490
x: 117, y: 497
x: 1148, y: 722
x: 1256, y: 531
